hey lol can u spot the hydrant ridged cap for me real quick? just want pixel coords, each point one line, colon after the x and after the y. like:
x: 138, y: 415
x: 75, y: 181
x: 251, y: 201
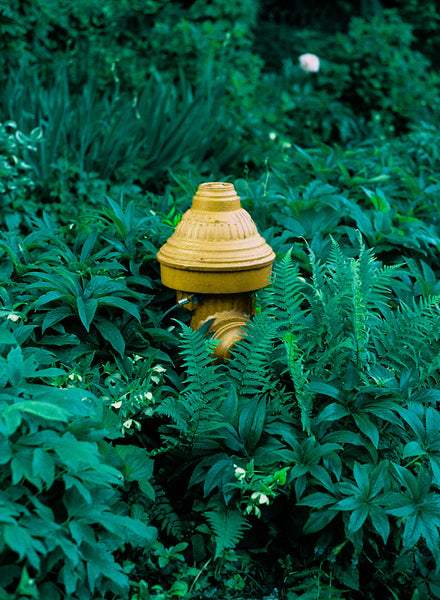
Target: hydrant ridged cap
x: 216, y: 247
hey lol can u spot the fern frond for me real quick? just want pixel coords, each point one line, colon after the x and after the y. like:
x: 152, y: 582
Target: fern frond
x: 304, y: 395
x: 410, y: 336
x: 359, y: 312
x: 202, y: 380
x: 175, y: 410
x: 248, y: 368
x: 228, y: 527
x: 284, y: 297
x: 164, y: 515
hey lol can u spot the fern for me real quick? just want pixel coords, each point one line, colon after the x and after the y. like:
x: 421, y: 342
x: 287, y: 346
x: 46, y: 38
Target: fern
x: 228, y: 527
x: 284, y: 297
x: 249, y: 367
x: 201, y: 380
x: 163, y: 514
x: 409, y: 337
x: 303, y: 393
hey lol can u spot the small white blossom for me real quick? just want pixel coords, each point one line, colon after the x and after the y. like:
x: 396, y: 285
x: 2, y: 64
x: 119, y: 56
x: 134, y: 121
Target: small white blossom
x: 128, y: 423
x: 309, y: 63
x: 272, y: 135
x: 260, y: 498
x: 117, y: 404
x: 239, y: 473
x: 13, y: 317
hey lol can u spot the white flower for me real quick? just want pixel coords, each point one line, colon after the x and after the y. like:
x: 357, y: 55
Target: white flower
x: 309, y: 63
x: 117, y: 404
x: 13, y: 317
x: 239, y: 473
x: 260, y: 498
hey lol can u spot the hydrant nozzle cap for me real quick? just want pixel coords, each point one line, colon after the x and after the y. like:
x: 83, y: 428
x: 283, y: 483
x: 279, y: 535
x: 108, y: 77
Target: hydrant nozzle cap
x: 216, y: 247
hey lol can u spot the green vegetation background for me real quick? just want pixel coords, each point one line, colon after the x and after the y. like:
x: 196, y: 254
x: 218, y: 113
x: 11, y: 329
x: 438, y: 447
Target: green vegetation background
x: 308, y: 467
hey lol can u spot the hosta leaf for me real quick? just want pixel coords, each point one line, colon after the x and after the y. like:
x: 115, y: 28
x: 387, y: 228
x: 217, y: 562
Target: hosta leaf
x: 111, y: 334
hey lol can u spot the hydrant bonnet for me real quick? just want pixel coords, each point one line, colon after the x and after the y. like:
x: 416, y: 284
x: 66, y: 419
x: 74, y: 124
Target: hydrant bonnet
x: 216, y: 248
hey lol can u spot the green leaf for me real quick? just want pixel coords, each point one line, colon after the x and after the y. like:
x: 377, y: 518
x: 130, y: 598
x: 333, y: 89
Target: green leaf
x: 43, y: 466
x: 86, y: 310
x: 357, y: 518
x: 368, y: 428
x: 332, y: 412
x: 7, y: 337
x: 318, y: 520
x: 44, y: 410
x: 228, y: 527
x: 125, y: 305
x: 20, y: 541
x: 138, y: 465
x: 251, y: 423
x: 111, y: 334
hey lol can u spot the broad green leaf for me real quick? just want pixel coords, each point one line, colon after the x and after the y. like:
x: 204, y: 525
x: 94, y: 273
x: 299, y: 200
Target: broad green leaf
x: 44, y: 410
x: 74, y: 453
x: 21, y: 541
x: 319, y: 519
x: 357, y: 518
x: 368, y: 428
x: 138, y: 465
x: 125, y: 305
x: 43, y: 466
x: 7, y: 337
x: 56, y: 315
x: 251, y: 423
x: 332, y: 412
x: 86, y: 310
x: 111, y: 334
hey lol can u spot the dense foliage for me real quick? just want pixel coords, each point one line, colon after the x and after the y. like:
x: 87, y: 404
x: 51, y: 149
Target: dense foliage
x: 306, y: 467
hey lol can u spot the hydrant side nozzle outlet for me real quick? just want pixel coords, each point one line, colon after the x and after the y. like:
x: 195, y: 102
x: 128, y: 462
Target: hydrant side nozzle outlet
x: 216, y: 250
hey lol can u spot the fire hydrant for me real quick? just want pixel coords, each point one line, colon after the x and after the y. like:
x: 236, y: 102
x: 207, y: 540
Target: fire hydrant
x: 216, y: 260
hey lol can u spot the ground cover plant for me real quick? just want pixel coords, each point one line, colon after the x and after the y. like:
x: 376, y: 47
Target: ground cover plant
x: 307, y: 466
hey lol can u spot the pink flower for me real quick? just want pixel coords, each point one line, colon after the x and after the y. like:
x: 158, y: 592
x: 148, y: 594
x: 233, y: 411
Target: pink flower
x: 309, y: 63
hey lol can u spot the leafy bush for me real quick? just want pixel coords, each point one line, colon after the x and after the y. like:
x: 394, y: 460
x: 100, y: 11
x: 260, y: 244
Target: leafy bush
x: 63, y: 517
x: 322, y: 427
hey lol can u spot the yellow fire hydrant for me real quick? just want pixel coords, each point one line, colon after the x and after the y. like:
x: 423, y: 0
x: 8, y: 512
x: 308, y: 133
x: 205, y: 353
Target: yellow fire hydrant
x: 215, y: 260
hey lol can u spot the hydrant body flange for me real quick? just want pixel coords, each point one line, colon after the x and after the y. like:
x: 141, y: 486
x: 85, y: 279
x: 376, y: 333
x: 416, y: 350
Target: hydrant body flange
x: 217, y: 250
